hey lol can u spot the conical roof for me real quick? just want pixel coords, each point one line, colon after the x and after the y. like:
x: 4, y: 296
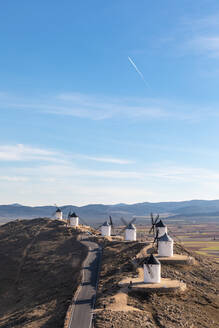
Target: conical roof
x: 73, y: 215
x: 160, y: 224
x: 165, y: 237
x: 58, y: 210
x: 106, y: 224
x: 151, y: 260
x: 131, y: 226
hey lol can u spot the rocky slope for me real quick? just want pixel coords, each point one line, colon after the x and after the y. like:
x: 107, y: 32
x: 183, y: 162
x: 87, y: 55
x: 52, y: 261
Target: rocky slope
x: 197, y: 307
x: 40, y: 270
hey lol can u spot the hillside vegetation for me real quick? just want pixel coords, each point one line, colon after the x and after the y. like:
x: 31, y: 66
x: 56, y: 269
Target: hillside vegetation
x: 40, y: 263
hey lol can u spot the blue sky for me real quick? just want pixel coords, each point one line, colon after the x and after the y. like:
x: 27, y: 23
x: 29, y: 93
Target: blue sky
x: 80, y: 125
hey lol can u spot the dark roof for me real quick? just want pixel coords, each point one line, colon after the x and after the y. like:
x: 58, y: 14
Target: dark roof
x: 58, y: 210
x: 160, y: 224
x: 106, y: 224
x: 73, y: 215
x: 165, y: 237
x: 151, y: 260
x: 131, y: 226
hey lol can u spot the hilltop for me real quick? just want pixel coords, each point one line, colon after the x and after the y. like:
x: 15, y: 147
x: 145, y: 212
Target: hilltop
x: 40, y: 264
x: 95, y: 213
x: 197, y: 307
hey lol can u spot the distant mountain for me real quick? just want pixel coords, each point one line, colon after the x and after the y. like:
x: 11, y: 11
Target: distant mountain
x: 98, y: 212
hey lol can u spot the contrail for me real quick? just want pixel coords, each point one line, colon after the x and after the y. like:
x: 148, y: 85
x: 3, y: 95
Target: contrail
x: 139, y: 72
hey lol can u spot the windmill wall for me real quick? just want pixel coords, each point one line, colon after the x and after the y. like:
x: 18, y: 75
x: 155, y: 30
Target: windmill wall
x: 130, y: 234
x: 152, y: 273
x: 106, y: 230
x: 165, y: 248
x: 59, y: 215
x: 74, y: 221
x: 161, y: 231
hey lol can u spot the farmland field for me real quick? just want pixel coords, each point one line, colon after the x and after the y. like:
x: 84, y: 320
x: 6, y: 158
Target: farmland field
x: 201, y: 238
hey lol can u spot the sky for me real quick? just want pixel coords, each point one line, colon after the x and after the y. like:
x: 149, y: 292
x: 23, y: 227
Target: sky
x: 108, y: 101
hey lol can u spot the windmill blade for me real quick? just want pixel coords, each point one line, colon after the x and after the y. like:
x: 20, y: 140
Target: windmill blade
x: 156, y: 237
x: 124, y: 221
x: 132, y: 221
x: 83, y: 221
x: 152, y: 229
x: 152, y: 219
x: 157, y: 217
x: 97, y: 228
x: 111, y: 221
x: 69, y: 213
x: 122, y: 230
x: 52, y: 216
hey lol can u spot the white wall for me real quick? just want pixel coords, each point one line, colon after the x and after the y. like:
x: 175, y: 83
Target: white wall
x: 73, y: 221
x: 130, y: 234
x: 106, y: 230
x: 165, y: 248
x: 59, y: 215
x: 161, y: 231
x: 152, y: 273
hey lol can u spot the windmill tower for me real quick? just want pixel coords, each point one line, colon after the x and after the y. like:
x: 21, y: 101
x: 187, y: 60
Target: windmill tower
x: 73, y: 219
x: 130, y: 229
x: 161, y: 228
x: 58, y: 214
x: 165, y: 246
x: 106, y: 229
x: 130, y: 232
x: 152, y: 270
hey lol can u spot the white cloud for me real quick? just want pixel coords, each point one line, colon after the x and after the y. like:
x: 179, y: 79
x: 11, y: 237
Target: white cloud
x: 20, y: 152
x: 70, y: 184
x: 100, y: 107
x: 106, y: 159
x: 25, y: 153
x: 205, y: 44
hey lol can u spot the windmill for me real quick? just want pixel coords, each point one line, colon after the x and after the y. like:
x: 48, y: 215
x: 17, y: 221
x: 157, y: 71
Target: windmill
x: 106, y: 227
x: 130, y: 229
x: 73, y: 219
x: 153, y: 224
x: 57, y: 214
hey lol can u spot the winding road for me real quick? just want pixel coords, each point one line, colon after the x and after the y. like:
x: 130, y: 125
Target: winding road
x: 81, y: 315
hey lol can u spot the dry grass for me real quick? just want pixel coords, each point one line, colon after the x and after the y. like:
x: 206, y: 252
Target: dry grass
x: 196, y: 307
x: 40, y: 270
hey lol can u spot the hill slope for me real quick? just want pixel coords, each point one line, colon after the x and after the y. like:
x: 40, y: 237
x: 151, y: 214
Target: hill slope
x: 197, y: 307
x: 40, y: 264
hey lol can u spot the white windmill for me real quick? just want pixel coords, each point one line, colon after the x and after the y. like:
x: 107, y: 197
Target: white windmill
x: 106, y: 228
x: 161, y: 228
x: 152, y: 270
x: 130, y: 229
x: 73, y: 219
x: 58, y: 214
x: 165, y: 246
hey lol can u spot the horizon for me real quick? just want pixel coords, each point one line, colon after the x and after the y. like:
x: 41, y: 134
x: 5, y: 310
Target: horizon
x: 101, y: 102
x: 105, y: 204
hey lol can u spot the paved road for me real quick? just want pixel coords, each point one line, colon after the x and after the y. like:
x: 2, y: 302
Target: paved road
x: 81, y: 316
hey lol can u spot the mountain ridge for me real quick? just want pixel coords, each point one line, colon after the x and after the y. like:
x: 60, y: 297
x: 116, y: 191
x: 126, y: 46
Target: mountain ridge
x: 100, y: 212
